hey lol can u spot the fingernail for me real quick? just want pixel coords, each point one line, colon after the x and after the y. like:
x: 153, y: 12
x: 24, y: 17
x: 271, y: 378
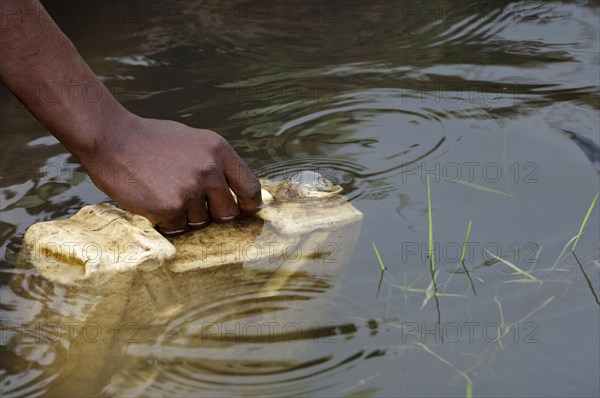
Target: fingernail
x: 226, y: 219
x: 251, y: 213
x: 198, y: 225
x: 172, y: 233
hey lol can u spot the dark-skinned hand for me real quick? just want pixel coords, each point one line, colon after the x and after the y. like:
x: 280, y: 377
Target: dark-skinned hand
x: 176, y: 176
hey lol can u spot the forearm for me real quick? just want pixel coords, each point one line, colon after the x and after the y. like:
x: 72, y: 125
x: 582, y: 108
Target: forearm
x: 178, y: 177
x: 40, y: 65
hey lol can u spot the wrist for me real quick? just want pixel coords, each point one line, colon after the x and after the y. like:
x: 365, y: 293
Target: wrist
x: 98, y: 130
x: 106, y: 150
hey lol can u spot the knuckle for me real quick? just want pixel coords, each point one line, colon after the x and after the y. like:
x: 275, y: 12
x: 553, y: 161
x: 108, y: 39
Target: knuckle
x: 209, y: 169
x: 171, y: 208
x: 217, y: 142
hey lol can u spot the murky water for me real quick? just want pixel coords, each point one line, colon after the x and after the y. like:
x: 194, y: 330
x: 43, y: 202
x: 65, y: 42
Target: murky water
x: 496, y: 101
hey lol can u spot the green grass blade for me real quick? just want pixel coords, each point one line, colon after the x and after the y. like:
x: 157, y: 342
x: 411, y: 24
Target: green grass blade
x: 462, y: 255
x: 431, y: 254
x: 379, y: 284
x: 514, y: 267
x: 584, y: 222
x: 478, y: 187
x: 587, y: 279
x: 468, y: 381
x: 563, y: 251
x: 469, y: 276
x: 378, y: 256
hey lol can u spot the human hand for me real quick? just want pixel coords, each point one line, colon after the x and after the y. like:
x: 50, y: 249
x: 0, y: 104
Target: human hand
x: 176, y: 176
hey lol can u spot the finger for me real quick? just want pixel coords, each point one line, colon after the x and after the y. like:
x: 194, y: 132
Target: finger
x: 197, y: 214
x: 221, y: 206
x: 243, y: 183
x: 173, y: 226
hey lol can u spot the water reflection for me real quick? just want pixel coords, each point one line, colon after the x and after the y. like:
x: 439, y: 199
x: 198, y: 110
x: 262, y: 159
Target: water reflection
x: 225, y: 323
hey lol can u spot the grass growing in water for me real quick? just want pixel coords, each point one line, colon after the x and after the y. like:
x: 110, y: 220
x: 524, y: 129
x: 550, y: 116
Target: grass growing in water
x: 587, y: 279
x: 468, y: 381
x: 584, y: 222
x: 560, y: 256
x: 514, y: 267
x: 378, y: 256
x: 462, y: 257
x: 478, y: 187
x: 432, y: 256
x: 382, y: 269
x: 430, y: 248
x: 527, y: 277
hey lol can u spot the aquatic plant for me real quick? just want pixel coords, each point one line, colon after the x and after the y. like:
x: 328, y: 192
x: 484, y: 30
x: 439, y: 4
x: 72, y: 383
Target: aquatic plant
x: 587, y: 215
x: 462, y: 257
x: 430, y: 246
x: 378, y: 257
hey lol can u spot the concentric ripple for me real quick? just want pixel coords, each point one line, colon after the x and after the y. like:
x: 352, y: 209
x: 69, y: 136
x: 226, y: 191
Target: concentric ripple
x: 34, y: 341
x: 347, y: 147
x: 245, y: 341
